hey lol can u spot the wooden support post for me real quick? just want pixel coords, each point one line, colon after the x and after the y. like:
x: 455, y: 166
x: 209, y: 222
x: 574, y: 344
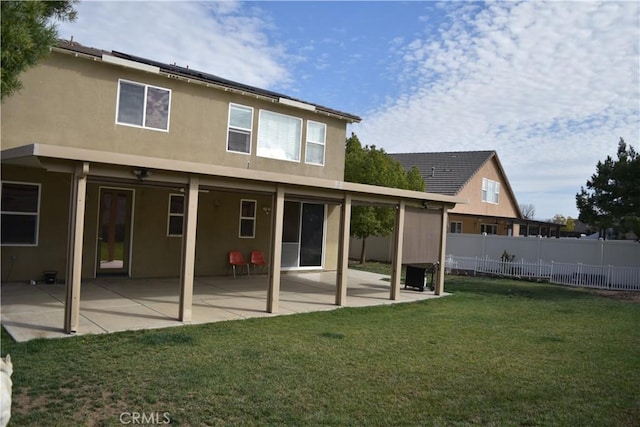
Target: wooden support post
x: 439, y: 288
x: 343, y: 251
x: 398, y: 236
x: 74, y: 248
x: 273, y: 296
x: 188, y: 249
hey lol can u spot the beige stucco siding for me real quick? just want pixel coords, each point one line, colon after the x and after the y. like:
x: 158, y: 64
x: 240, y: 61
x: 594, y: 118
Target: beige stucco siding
x: 90, y: 236
x: 29, y: 262
x: 507, y: 206
x: 218, y: 230
x: 153, y: 252
x: 71, y: 101
x: 332, y: 236
x: 472, y: 224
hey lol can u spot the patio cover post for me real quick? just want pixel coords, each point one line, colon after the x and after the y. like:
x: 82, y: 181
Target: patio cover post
x: 74, y: 247
x: 343, y: 251
x: 439, y: 288
x: 273, y: 296
x: 188, y: 249
x: 398, y: 235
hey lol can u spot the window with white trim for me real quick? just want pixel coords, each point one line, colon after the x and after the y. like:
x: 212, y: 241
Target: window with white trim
x: 316, y: 138
x: 20, y: 213
x: 143, y: 105
x: 455, y: 227
x: 489, y: 228
x: 240, y: 126
x: 490, y: 191
x: 247, y: 219
x: 279, y: 136
x: 175, y: 219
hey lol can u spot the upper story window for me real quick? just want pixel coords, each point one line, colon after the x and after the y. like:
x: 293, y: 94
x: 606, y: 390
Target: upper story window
x: 240, y: 126
x: 176, y: 215
x: 316, y: 137
x: 247, y: 218
x: 279, y: 136
x: 143, y: 105
x: 20, y: 213
x: 490, y: 191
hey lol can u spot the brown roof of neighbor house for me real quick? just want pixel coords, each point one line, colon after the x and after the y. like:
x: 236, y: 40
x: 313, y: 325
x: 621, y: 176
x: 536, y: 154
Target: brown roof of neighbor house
x: 448, y: 172
x: 190, y: 74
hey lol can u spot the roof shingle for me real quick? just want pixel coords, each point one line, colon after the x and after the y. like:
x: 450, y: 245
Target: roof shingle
x: 448, y: 172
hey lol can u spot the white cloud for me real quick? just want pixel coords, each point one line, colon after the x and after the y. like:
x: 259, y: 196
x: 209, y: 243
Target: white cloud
x: 550, y: 86
x: 221, y: 38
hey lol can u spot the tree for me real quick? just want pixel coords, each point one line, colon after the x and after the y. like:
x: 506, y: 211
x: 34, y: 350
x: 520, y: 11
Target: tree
x: 528, y: 210
x: 28, y: 34
x: 612, y: 196
x: 570, y: 225
x: 370, y: 165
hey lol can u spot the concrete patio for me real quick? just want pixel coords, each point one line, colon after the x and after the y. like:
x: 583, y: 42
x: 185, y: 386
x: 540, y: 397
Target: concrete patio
x: 119, y: 304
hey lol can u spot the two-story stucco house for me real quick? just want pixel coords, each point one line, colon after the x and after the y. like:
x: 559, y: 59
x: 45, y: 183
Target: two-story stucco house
x: 119, y: 165
x: 479, y: 177
x: 476, y: 175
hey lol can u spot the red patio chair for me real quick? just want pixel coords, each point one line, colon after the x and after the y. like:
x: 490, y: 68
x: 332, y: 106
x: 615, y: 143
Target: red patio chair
x: 236, y: 259
x: 257, y: 258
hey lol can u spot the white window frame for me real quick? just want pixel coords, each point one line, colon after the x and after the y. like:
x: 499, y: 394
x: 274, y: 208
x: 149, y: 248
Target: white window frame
x: 261, y: 136
x: 239, y: 129
x: 455, y: 227
x: 36, y: 214
x: 494, y: 227
x: 490, y: 191
x: 174, y: 214
x: 322, y: 143
x: 144, y: 107
x: 248, y: 218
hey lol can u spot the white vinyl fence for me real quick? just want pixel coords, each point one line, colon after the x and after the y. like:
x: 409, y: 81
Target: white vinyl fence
x: 621, y: 253
x: 603, y: 264
x: 572, y: 274
x: 593, y: 252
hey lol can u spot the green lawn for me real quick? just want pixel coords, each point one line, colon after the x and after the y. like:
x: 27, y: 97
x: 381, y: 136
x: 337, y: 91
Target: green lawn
x: 496, y: 352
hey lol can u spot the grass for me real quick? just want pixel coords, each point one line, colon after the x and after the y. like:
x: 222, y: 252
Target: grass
x: 118, y: 251
x: 496, y: 352
x: 374, y: 267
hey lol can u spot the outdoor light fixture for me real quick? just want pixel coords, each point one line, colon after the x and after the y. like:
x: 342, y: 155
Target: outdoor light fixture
x: 141, y: 173
x: 427, y: 205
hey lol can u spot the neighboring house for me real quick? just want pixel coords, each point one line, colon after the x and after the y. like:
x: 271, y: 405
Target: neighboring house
x: 478, y: 176
x: 118, y: 165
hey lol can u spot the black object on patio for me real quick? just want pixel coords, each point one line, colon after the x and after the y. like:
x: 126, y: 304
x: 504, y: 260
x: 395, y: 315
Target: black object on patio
x: 416, y: 275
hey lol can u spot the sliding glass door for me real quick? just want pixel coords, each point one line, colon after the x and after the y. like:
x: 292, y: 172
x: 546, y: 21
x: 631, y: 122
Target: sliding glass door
x: 303, y: 235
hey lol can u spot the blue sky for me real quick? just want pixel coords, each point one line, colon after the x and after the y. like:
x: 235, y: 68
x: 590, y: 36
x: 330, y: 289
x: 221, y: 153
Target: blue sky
x: 551, y: 86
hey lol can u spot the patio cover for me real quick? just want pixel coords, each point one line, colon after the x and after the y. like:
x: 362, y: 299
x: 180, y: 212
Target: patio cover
x: 191, y: 177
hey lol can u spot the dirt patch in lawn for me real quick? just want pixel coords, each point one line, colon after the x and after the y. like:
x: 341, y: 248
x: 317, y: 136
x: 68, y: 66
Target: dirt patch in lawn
x: 631, y: 296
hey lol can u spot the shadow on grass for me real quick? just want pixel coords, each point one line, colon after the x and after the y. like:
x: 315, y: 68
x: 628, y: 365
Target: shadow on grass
x: 512, y: 288
x: 165, y: 338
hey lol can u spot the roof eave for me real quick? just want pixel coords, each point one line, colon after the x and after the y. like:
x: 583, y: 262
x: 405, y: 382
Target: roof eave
x: 196, y: 77
x: 384, y: 194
